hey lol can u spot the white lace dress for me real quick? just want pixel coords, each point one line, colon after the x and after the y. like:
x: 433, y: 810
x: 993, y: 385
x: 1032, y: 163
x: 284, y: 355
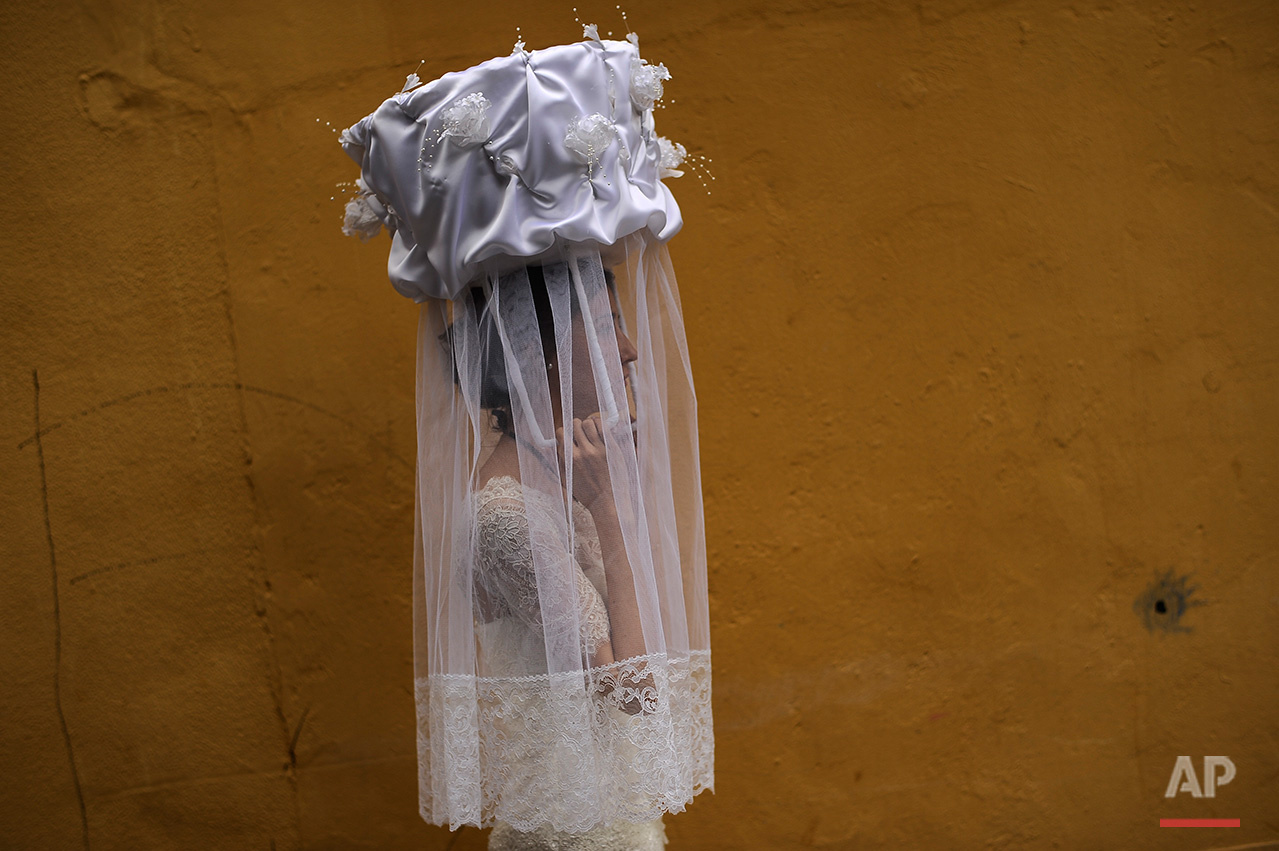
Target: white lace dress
x: 510, y: 638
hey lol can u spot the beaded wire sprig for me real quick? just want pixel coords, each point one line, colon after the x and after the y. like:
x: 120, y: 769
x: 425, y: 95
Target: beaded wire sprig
x: 700, y: 165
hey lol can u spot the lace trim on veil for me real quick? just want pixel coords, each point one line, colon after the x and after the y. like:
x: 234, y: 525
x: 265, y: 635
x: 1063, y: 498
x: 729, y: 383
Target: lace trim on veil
x: 625, y: 741
x: 559, y: 749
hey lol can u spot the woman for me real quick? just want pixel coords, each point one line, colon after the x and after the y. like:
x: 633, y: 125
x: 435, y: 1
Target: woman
x: 506, y: 594
x: 561, y: 623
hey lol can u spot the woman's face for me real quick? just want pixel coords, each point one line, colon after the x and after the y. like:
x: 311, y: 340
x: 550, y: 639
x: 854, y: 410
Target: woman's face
x: 585, y: 399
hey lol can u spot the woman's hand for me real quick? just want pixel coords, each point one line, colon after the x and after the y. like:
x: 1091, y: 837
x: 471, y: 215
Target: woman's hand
x: 590, y: 463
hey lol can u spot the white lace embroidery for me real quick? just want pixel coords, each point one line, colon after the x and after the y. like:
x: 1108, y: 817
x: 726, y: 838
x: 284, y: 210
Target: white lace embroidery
x: 506, y: 572
x: 558, y: 750
x: 615, y: 836
x: 577, y: 751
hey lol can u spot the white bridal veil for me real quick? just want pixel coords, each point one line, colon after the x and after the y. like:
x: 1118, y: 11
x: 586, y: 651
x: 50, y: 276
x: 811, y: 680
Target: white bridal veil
x: 561, y: 624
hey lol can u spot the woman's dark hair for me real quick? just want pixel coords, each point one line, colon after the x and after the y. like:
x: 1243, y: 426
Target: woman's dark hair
x: 494, y: 388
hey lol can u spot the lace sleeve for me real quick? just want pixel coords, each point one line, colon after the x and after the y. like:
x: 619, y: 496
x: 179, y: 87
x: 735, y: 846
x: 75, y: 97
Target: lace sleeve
x: 505, y: 556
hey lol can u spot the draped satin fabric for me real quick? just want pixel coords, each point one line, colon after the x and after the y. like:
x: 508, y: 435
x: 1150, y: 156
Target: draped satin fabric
x: 457, y: 211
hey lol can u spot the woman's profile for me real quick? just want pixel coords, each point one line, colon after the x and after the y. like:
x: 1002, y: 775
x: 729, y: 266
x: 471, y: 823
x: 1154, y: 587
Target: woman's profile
x: 509, y: 613
x: 561, y: 623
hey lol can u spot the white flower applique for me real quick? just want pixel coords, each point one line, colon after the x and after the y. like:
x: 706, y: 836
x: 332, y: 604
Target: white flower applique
x: 592, y: 32
x: 360, y: 219
x: 670, y: 156
x: 588, y: 138
x: 646, y: 84
x: 466, y: 120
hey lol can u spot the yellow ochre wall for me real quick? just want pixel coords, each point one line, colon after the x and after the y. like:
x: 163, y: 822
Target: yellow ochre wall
x: 982, y: 308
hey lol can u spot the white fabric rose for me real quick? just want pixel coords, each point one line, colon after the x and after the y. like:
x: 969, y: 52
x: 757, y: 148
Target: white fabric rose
x: 360, y: 219
x: 671, y: 154
x: 466, y: 120
x: 646, y: 84
x: 588, y: 137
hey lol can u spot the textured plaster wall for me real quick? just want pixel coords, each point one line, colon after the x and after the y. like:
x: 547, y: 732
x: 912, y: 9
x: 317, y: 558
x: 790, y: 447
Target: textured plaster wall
x: 983, y: 312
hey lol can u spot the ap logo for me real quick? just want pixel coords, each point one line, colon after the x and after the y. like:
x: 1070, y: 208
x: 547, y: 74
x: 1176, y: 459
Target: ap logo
x: 1184, y: 780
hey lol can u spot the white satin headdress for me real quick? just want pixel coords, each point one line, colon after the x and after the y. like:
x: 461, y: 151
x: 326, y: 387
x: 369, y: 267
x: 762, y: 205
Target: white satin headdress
x: 561, y: 619
x: 509, y: 158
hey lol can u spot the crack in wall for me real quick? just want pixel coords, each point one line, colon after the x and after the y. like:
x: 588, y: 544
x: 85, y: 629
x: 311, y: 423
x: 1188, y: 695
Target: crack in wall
x: 222, y: 385
x: 57, y: 618
x: 263, y: 582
